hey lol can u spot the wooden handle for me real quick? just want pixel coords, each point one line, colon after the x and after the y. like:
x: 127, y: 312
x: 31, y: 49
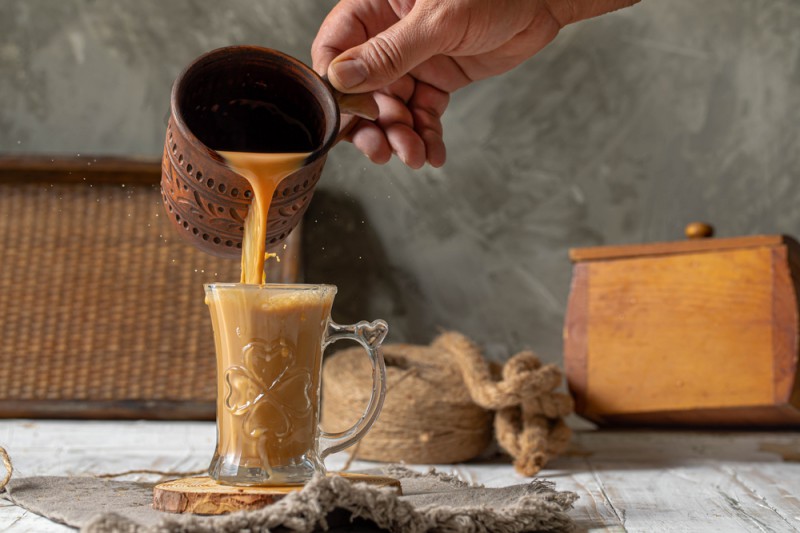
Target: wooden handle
x: 359, y: 104
x: 348, y: 123
x: 699, y: 230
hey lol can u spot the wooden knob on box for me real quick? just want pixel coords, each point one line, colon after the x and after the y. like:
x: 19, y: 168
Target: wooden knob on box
x: 699, y: 230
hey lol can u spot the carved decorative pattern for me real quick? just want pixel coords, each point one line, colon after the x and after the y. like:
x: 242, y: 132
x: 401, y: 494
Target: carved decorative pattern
x: 207, y: 202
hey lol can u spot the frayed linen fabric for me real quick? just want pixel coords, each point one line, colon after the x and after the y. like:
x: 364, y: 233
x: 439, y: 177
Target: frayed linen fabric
x: 430, y: 502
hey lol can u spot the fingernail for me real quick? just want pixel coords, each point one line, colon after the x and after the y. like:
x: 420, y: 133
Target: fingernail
x: 403, y: 157
x: 348, y: 73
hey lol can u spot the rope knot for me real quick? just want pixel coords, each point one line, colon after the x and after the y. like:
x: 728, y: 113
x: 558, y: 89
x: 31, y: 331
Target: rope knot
x: 529, y: 412
x: 442, y: 399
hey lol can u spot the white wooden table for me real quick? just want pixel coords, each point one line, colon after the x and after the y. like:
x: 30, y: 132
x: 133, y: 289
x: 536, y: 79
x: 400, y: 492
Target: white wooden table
x: 627, y: 481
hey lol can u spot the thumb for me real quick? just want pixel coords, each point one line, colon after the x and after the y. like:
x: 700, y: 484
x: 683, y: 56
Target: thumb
x: 384, y: 58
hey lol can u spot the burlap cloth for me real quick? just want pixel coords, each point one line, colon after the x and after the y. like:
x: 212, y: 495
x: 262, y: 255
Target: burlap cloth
x: 430, y: 502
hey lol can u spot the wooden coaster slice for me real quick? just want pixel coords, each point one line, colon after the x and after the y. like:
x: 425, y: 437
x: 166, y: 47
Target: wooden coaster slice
x: 203, y: 495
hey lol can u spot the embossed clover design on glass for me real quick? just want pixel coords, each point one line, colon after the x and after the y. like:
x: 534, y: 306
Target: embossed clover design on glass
x: 282, y: 401
x: 269, y: 343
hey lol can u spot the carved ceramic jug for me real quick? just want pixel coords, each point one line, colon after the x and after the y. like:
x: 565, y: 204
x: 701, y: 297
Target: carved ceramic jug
x: 250, y: 99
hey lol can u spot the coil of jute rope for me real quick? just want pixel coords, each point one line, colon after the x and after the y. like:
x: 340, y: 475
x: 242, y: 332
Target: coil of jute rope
x: 442, y: 401
x: 8, y: 466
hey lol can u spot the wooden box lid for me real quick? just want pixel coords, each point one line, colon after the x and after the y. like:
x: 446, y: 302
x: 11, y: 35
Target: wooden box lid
x: 696, y: 243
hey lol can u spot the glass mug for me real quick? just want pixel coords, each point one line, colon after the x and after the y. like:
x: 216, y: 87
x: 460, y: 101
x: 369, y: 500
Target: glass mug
x: 269, y: 341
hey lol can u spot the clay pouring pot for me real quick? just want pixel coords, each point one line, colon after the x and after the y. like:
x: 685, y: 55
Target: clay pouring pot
x: 249, y: 99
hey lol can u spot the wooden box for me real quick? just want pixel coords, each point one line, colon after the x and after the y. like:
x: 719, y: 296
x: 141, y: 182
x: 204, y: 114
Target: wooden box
x: 701, y: 332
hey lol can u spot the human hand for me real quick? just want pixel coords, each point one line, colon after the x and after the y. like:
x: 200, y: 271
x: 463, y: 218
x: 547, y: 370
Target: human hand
x: 415, y: 53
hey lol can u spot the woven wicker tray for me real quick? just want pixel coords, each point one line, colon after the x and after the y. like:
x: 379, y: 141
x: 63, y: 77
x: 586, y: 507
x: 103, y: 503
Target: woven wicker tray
x: 101, y: 302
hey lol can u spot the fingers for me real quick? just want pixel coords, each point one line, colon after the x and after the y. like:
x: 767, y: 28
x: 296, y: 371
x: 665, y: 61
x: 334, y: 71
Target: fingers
x: 349, y: 24
x: 386, y: 56
x: 371, y: 141
x: 379, y: 144
x: 409, y: 122
x: 427, y: 105
x: 397, y: 122
x: 412, y: 129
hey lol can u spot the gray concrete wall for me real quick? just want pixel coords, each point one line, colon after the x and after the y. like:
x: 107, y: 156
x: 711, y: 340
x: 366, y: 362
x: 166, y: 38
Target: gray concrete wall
x: 625, y: 129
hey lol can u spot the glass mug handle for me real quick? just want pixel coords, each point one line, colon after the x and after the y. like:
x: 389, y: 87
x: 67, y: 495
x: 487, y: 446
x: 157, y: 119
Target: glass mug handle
x: 370, y: 335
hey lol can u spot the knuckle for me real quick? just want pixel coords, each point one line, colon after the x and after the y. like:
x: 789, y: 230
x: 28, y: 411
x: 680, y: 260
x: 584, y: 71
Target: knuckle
x: 571, y: 9
x: 426, y: 121
x: 385, y: 55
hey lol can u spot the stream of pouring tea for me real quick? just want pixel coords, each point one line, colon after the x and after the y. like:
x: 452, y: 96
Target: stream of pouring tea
x: 264, y: 172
